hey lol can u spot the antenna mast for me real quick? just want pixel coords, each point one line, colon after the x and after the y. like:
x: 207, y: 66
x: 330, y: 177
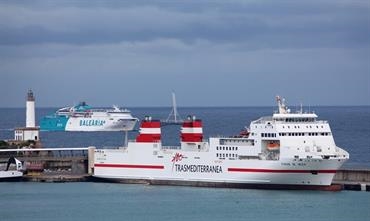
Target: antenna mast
x: 174, y: 113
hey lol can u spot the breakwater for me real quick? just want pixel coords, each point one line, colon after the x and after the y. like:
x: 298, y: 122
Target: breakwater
x: 353, y: 179
x: 76, y: 165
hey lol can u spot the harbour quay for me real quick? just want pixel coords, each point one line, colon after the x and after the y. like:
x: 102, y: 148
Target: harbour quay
x: 353, y: 179
x: 76, y: 164
x: 51, y: 164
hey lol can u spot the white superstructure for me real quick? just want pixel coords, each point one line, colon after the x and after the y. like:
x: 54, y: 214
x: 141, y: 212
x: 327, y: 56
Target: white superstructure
x: 288, y: 149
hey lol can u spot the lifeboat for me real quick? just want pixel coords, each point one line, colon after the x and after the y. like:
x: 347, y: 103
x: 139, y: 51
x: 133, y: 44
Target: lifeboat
x: 244, y: 133
x: 273, y: 146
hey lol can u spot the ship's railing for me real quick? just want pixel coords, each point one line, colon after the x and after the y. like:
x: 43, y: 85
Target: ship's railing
x: 302, y: 122
x: 110, y: 110
x: 171, y: 147
x: 134, y: 141
x: 263, y: 119
x: 232, y: 137
x: 283, y: 120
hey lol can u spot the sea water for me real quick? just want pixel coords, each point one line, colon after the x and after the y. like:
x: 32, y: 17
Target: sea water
x: 107, y: 201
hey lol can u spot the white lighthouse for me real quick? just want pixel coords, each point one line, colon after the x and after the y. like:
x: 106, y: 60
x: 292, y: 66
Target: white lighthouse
x: 30, y: 110
x: 30, y: 132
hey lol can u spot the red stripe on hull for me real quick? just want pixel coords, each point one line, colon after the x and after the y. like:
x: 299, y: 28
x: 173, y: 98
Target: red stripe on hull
x: 129, y: 166
x: 249, y: 170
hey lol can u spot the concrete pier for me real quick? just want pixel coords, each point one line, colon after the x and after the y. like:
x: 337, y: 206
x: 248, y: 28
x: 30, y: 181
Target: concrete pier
x: 353, y: 179
x: 51, y: 164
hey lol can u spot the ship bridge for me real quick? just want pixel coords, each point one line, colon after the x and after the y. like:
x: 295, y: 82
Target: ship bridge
x: 289, y: 118
x: 285, y: 115
x: 296, y: 117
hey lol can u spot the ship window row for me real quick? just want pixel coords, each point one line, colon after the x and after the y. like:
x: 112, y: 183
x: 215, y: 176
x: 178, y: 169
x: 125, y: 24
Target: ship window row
x: 304, y: 134
x: 223, y: 141
x: 226, y: 155
x: 295, y: 126
x: 268, y: 135
x: 226, y: 148
x: 298, y: 120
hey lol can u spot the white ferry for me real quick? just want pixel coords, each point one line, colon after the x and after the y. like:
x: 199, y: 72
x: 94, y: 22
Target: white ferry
x: 83, y: 117
x: 288, y: 150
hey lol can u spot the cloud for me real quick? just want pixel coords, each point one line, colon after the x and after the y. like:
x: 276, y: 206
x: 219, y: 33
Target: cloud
x: 275, y: 25
x: 214, y: 53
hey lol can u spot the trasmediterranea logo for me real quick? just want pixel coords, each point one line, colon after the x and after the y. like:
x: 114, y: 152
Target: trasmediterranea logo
x: 176, y: 158
x: 192, y: 168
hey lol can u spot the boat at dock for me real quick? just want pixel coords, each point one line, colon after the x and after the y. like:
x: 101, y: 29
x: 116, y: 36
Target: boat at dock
x: 285, y: 150
x: 13, y: 170
x: 83, y: 117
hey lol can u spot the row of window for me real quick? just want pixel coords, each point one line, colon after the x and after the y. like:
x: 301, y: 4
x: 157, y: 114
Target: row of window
x: 223, y: 142
x: 268, y: 135
x: 299, y: 120
x: 304, y: 134
x: 226, y: 155
x: 295, y: 126
x: 226, y: 148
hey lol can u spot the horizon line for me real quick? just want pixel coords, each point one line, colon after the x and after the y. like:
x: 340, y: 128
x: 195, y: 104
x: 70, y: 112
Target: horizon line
x: 210, y: 106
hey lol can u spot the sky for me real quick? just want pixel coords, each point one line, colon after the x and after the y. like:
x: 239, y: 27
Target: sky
x: 210, y: 53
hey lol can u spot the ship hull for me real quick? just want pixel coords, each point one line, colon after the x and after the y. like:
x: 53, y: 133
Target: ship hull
x: 87, y: 124
x: 7, y: 176
x: 199, y: 169
x: 100, y: 124
x: 210, y: 184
